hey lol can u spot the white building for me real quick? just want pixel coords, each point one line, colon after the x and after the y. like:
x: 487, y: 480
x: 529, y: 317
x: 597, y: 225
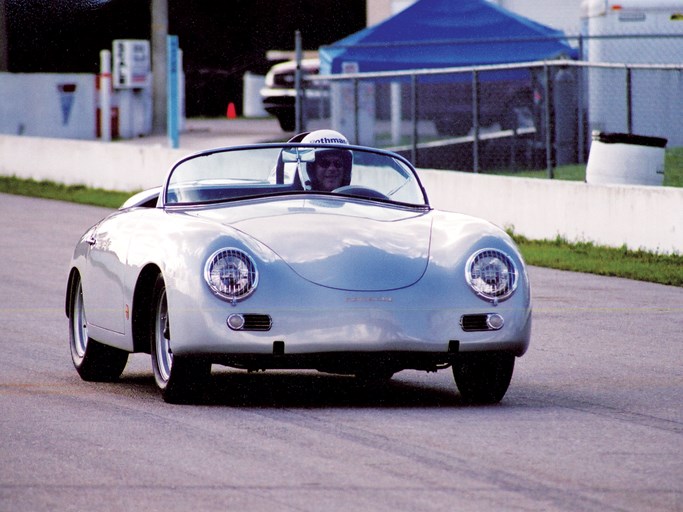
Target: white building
x: 560, y: 14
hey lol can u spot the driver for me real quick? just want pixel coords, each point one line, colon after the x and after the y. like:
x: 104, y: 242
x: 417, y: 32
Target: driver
x: 331, y: 168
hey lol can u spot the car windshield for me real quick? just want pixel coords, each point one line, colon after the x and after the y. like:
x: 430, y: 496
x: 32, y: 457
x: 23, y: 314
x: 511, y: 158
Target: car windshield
x: 269, y: 169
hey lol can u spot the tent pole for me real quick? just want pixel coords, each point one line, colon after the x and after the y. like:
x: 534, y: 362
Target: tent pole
x: 356, y: 122
x: 475, y: 120
x: 581, y: 120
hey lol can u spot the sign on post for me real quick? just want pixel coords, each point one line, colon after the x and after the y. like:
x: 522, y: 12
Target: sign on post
x: 132, y: 66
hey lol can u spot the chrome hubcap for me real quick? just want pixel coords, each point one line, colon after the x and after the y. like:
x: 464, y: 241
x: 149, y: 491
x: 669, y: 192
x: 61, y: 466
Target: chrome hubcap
x: 162, y: 338
x: 79, y: 324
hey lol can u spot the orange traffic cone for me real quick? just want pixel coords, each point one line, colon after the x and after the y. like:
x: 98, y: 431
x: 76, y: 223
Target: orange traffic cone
x: 231, y: 114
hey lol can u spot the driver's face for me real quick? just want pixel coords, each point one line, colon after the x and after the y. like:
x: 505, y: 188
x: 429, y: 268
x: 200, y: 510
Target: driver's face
x: 329, y: 171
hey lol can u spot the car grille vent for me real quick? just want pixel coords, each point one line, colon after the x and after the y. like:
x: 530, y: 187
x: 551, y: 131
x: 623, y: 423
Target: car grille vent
x: 255, y: 322
x: 284, y: 80
x: 474, y: 323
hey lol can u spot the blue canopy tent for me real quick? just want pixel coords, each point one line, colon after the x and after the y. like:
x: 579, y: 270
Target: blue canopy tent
x: 454, y: 33
x: 446, y: 33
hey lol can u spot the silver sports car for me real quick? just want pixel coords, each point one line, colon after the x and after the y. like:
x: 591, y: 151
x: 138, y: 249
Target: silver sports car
x: 314, y: 254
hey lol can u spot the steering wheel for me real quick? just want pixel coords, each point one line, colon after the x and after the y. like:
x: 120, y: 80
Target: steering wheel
x: 355, y: 190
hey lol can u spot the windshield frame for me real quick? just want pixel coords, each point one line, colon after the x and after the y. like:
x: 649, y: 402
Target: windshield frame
x: 404, y: 163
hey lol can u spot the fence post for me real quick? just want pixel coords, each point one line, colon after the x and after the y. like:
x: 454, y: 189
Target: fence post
x: 475, y: 120
x: 548, y: 134
x: 298, y: 100
x: 413, y: 114
x: 580, y: 101
x: 356, y: 112
x: 629, y: 101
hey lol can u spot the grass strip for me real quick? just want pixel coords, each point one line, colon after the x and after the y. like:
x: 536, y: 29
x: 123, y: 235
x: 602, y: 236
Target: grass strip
x: 71, y: 193
x: 600, y: 260
x: 673, y: 170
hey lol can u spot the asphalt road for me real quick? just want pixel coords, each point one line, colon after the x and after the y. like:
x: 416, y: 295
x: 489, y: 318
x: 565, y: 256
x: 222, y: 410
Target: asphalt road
x: 593, y: 419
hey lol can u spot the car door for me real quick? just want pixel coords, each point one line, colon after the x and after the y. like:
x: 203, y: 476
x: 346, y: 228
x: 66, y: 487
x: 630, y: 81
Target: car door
x: 103, y: 285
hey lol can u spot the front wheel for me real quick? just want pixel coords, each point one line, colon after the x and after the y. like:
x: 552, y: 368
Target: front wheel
x: 483, y: 378
x: 179, y: 379
x: 287, y: 121
x: 93, y: 360
x: 375, y: 375
x: 519, y: 114
x: 454, y: 125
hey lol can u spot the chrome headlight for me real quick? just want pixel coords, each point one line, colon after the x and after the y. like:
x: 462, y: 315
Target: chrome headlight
x: 492, y: 274
x: 231, y: 274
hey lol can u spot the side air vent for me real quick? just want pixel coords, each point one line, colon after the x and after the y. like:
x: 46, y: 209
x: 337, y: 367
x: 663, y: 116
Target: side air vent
x: 254, y: 322
x: 249, y: 322
x: 483, y: 322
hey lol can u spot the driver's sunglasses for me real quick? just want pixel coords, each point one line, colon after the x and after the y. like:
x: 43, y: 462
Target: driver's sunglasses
x: 324, y: 163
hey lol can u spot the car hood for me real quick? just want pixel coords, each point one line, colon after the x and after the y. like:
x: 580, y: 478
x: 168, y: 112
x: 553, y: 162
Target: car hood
x: 348, y: 245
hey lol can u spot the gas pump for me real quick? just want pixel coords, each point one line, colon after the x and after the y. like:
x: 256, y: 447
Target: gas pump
x: 131, y: 81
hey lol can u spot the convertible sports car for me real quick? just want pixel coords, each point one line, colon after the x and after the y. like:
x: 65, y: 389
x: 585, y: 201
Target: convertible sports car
x: 315, y: 254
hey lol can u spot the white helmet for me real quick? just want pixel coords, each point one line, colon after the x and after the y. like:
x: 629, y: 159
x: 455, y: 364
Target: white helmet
x: 328, y: 137
x: 324, y: 137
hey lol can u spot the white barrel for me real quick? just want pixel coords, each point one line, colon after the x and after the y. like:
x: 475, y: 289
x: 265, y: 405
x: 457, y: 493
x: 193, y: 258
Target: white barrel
x: 252, y: 105
x: 625, y: 159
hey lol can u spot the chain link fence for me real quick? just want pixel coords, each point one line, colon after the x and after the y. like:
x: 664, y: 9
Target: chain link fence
x: 536, y: 115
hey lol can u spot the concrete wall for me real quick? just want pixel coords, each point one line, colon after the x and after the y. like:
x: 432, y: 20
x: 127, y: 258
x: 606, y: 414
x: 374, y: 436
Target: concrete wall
x: 108, y: 165
x: 637, y: 216
x: 48, y: 105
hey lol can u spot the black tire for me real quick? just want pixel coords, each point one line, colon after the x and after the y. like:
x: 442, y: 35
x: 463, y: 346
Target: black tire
x: 378, y: 375
x: 519, y: 114
x: 453, y: 125
x: 483, y: 378
x: 287, y: 121
x: 93, y: 360
x: 178, y: 378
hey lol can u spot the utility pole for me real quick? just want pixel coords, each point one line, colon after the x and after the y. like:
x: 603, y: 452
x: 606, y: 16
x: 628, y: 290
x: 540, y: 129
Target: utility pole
x: 4, y: 38
x: 159, y: 64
